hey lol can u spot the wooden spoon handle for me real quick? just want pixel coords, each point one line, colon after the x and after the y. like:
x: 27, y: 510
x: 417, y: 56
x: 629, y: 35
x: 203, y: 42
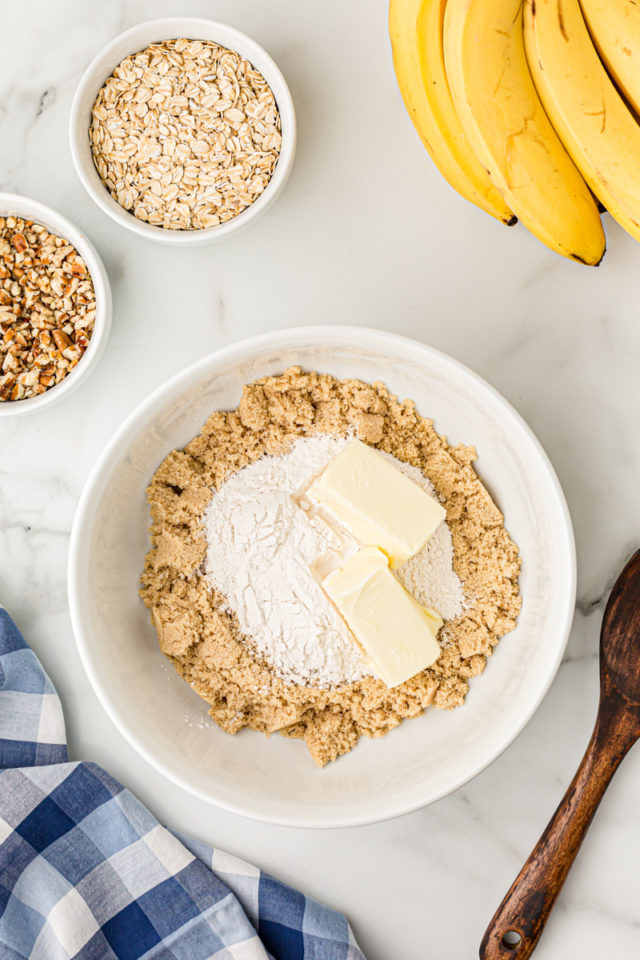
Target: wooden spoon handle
x: 519, y: 920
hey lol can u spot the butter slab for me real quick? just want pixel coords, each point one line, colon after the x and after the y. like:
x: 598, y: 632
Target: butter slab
x: 377, y: 503
x: 394, y: 630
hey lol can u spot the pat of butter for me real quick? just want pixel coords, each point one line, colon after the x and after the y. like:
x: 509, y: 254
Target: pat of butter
x: 376, y: 502
x: 396, y: 633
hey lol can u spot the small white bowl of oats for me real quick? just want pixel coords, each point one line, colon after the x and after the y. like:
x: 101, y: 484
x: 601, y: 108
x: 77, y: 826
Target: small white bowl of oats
x: 55, y: 305
x: 183, y: 130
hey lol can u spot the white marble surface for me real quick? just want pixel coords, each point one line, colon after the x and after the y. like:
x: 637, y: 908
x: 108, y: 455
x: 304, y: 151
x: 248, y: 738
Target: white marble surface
x: 366, y: 232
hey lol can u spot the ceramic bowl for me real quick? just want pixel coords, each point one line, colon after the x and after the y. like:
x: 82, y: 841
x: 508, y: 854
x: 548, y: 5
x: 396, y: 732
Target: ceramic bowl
x: 275, y: 780
x: 15, y: 205
x: 135, y: 39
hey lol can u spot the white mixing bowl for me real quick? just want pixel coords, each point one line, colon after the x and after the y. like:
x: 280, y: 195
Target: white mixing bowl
x: 275, y: 780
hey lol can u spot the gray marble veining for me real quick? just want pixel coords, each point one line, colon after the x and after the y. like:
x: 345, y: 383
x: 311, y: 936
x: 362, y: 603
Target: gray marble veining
x: 367, y: 233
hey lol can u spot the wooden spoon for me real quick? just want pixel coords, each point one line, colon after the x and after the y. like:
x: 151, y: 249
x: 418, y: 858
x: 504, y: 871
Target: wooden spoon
x: 519, y: 920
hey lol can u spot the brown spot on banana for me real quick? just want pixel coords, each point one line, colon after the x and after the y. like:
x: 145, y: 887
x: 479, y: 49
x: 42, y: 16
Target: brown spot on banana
x: 563, y: 29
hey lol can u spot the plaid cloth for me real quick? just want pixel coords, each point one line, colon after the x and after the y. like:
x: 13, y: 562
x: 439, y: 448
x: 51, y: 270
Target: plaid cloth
x: 87, y: 872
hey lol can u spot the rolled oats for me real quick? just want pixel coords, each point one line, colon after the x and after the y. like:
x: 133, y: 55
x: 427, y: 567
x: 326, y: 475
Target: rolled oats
x: 185, y: 134
x: 47, y: 308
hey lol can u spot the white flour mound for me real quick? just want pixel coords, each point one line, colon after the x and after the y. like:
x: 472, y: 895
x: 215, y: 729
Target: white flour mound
x: 266, y: 555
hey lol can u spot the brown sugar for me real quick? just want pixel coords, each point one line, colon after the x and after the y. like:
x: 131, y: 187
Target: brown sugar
x: 203, y: 639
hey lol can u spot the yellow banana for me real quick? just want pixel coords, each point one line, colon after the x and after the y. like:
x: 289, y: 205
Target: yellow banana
x: 615, y: 29
x: 588, y: 113
x: 415, y: 27
x: 509, y: 131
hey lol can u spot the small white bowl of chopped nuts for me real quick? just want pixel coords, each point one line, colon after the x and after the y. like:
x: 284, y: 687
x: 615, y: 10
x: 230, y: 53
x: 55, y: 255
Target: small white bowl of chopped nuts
x: 55, y: 305
x: 183, y: 130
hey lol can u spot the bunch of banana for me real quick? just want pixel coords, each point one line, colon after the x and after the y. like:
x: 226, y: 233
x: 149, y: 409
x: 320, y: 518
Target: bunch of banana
x: 529, y: 109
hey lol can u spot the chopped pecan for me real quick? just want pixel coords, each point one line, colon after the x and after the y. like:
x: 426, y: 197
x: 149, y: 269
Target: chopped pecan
x: 47, y: 308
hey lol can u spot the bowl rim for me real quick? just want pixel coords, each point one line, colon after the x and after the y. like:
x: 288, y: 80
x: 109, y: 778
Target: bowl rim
x: 322, y: 335
x: 27, y: 208
x: 168, y: 28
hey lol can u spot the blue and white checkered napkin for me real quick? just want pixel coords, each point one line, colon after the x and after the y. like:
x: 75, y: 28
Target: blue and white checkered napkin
x: 86, y: 872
